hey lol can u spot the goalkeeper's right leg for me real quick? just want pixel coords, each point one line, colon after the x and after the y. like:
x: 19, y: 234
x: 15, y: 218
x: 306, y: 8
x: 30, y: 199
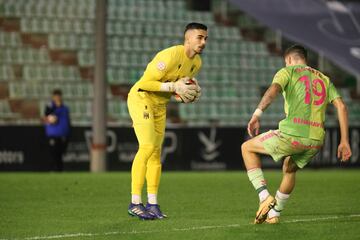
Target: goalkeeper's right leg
x: 142, y: 115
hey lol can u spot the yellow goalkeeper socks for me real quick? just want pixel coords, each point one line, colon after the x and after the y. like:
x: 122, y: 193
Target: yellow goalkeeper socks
x: 153, y: 172
x: 138, y: 169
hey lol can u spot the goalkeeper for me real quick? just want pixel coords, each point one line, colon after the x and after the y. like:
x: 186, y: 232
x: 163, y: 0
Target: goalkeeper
x: 164, y: 76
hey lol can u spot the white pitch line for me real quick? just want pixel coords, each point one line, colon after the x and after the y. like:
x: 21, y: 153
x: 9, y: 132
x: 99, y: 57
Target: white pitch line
x: 323, y: 218
x: 71, y: 235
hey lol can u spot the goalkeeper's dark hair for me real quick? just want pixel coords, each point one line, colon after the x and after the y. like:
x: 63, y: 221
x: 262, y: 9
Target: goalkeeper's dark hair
x: 195, y: 25
x: 57, y: 92
x: 298, y: 50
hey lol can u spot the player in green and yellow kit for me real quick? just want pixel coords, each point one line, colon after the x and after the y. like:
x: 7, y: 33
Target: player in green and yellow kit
x: 307, y: 93
x: 165, y: 75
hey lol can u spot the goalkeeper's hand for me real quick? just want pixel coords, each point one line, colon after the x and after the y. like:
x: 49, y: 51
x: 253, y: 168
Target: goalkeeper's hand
x: 191, y: 97
x: 183, y: 88
x: 198, y: 90
x: 188, y: 97
x: 185, y: 99
x: 188, y: 91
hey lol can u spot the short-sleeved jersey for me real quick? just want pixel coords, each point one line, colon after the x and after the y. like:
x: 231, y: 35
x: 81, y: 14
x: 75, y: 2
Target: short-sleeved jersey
x: 168, y: 65
x: 307, y: 92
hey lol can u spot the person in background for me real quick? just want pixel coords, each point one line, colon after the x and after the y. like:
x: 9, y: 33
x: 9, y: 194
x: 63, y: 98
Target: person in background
x: 57, y: 127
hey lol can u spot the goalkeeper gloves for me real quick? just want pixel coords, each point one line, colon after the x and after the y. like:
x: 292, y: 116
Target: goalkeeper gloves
x: 198, y: 90
x: 180, y: 87
x: 187, y: 89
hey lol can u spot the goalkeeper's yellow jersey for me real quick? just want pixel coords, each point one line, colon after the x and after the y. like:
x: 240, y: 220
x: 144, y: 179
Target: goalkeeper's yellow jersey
x: 168, y: 65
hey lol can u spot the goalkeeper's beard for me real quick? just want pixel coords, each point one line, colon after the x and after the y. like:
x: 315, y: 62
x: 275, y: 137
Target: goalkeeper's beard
x: 199, y: 49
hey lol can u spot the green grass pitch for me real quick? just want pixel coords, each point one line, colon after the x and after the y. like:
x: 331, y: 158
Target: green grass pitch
x: 200, y: 205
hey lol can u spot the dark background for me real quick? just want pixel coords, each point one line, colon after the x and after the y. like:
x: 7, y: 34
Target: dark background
x: 24, y: 148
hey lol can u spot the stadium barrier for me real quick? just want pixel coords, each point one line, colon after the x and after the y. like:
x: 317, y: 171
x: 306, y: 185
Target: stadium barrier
x: 24, y: 148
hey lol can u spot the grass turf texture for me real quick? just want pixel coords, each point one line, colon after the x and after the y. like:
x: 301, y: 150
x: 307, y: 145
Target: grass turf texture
x: 218, y: 205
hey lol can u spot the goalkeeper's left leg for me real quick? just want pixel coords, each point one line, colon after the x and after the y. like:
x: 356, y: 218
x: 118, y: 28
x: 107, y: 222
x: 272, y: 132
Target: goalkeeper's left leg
x: 153, y: 171
x: 154, y: 165
x: 153, y: 174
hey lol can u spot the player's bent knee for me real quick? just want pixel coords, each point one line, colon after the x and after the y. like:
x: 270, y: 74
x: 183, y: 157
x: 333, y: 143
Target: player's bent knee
x: 249, y: 147
x: 245, y: 147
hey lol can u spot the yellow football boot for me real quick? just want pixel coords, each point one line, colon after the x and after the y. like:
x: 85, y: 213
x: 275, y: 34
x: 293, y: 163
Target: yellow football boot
x: 273, y: 220
x: 264, y: 208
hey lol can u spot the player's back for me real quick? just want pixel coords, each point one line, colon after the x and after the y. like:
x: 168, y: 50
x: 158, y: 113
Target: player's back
x: 307, y: 92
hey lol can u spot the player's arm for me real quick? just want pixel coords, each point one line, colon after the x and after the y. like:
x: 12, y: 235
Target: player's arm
x: 279, y: 83
x: 156, y: 70
x: 269, y: 96
x: 344, y: 150
x: 267, y: 99
x: 49, y: 110
x: 152, y: 83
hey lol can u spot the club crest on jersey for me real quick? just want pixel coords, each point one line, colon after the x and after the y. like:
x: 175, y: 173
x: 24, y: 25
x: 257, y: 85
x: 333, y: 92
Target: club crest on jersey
x: 161, y: 66
x: 146, y: 115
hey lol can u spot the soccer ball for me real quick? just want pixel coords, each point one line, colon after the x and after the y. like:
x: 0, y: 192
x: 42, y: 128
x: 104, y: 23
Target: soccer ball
x: 178, y: 98
x: 51, y: 119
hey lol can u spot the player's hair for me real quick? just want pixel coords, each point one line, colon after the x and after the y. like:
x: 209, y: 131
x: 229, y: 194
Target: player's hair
x: 298, y: 50
x: 195, y: 25
x: 57, y: 92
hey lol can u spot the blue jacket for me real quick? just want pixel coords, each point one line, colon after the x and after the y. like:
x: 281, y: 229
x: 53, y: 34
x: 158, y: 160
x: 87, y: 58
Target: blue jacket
x: 62, y: 127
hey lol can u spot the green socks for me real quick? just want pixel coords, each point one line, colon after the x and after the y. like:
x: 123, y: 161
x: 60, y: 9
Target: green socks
x: 257, y: 179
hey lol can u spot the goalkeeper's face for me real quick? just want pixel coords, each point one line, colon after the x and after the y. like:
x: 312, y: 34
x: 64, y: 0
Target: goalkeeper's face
x: 196, y: 39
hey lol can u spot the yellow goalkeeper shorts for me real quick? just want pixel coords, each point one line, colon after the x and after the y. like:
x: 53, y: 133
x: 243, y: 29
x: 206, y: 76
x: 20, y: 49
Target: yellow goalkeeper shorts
x: 149, y: 120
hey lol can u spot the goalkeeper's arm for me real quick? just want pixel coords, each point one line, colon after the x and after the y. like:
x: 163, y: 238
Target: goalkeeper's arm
x: 179, y: 87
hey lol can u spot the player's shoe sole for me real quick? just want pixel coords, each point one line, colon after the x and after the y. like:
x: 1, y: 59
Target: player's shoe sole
x: 273, y: 220
x: 264, y: 208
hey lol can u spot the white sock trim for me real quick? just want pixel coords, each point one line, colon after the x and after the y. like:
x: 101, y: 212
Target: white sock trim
x: 152, y: 198
x: 272, y: 213
x: 136, y: 199
x: 253, y: 169
x: 281, y: 195
x: 263, y: 195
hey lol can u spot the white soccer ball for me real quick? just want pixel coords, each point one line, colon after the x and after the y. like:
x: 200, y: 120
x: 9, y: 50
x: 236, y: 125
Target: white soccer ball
x: 51, y: 118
